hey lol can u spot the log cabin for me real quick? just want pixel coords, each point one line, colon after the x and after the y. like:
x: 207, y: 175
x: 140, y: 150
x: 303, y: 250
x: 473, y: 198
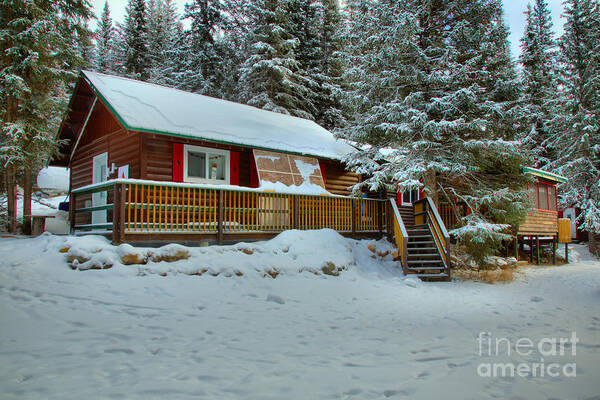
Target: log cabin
x: 151, y: 164
x: 157, y: 133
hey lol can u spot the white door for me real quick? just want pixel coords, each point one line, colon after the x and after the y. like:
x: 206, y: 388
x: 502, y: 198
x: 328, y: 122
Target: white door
x: 409, y: 197
x: 99, y: 174
x: 570, y: 213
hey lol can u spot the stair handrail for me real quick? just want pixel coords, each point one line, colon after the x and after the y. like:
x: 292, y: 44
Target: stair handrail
x: 400, y: 235
x: 435, y: 223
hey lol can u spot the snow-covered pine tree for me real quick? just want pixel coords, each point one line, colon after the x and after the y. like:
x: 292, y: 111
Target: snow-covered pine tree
x: 105, y: 42
x: 381, y: 60
x: 202, y: 57
x: 37, y: 56
x: 164, y: 29
x: 539, y: 75
x: 86, y: 47
x: 576, y: 132
x: 434, y: 82
x: 330, y: 67
x: 271, y: 77
x: 132, y: 45
x: 317, y: 26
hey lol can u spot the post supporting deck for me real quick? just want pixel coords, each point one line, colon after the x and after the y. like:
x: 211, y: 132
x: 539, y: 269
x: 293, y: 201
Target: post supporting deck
x: 220, y: 218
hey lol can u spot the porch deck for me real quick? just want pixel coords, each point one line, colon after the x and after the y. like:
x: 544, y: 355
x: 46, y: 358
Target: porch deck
x: 156, y: 212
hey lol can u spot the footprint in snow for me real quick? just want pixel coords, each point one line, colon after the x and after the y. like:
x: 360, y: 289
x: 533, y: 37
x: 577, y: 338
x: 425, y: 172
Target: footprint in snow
x: 410, y: 283
x: 275, y: 299
x: 536, y: 299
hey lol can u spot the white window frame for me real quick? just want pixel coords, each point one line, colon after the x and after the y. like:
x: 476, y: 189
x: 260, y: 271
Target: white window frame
x: 192, y: 179
x: 411, y: 191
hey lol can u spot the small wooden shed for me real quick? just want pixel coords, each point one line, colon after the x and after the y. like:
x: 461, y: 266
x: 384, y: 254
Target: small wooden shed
x: 541, y: 225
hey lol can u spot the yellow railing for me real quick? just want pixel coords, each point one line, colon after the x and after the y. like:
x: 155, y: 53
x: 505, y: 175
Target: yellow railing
x: 154, y: 207
x: 400, y: 234
x: 448, y: 215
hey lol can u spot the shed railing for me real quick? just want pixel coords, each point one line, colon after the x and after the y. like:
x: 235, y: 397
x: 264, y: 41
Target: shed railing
x: 138, y: 207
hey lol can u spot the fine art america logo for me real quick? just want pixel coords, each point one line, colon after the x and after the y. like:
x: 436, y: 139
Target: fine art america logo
x: 545, y: 357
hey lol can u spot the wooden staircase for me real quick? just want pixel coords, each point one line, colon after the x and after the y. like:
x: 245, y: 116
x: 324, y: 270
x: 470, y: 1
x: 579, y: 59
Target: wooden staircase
x: 425, y: 251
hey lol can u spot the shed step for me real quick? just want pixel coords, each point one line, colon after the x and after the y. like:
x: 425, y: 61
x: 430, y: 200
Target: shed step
x: 442, y: 275
x: 418, y: 236
x: 423, y: 255
x: 425, y: 262
x: 425, y: 269
x: 417, y: 232
x: 424, y: 242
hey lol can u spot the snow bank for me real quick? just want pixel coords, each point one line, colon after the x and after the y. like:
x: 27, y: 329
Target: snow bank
x: 114, y: 334
x: 291, y: 252
x: 45, y: 206
x: 54, y: 178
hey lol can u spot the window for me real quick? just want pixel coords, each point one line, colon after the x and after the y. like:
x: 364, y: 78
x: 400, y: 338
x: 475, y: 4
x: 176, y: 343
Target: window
x: 552, y: 198
x: 410, y: 196
x: 544, y: 196
x: 206, y: 165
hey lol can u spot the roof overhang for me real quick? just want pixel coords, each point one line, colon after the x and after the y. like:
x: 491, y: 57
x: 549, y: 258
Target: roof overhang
x: 544, y: 174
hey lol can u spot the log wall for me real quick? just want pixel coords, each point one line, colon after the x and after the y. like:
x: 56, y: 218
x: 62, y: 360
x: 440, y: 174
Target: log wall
x: 103, y: 134
x: 337, y: 179
x: 540, y: 223
x: 157, y: 157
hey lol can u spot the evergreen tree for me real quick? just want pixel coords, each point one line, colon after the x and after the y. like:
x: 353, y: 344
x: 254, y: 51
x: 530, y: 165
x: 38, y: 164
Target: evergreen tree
x: 576, y: 132
x: 317, y: 25
x: 330, y: 67
x: 434, y: 81
x: 86, y: 47
x: 38, y: 42
x: 164, y: 29
x: 271, y: 76
x: 198, y: 55
x: 133, y: 47
x: 539, y: 75
x: 105, y: 42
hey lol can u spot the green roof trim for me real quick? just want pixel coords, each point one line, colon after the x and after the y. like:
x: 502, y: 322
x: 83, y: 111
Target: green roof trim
x: 131, y: 128
x: 544, y: 174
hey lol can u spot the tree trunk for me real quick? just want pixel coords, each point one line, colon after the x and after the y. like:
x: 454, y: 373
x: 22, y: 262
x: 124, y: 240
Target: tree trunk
x: 11, y: 195
x: 433, y: 189
x: 27, y: 188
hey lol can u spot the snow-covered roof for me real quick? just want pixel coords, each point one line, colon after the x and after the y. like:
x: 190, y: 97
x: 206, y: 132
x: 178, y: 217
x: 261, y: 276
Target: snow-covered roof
x: 147, y: 107
x: 545, y: 174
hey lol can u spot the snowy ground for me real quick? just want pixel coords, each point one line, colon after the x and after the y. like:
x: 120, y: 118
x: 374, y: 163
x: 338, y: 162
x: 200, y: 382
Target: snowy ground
x: 127, y: 332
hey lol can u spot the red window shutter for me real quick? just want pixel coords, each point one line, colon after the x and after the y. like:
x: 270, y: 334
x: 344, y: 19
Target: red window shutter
x: 322, y: 166
x: 253, y: 172
x: 234, y: 168
x: 177, y: 162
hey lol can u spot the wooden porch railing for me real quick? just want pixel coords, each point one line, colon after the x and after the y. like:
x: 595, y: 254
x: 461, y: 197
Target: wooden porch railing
x: 400, y: 234
x: 426, y: 213
x: 143, y: 207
